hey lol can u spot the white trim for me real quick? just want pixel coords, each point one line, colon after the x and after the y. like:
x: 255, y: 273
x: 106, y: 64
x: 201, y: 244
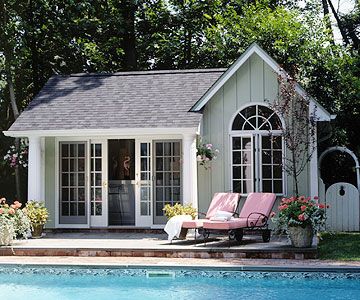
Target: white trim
x: 254, y: 48
x: 131, y: 132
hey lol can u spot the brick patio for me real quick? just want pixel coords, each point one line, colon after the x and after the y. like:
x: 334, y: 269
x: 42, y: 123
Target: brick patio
x: 150, y: 244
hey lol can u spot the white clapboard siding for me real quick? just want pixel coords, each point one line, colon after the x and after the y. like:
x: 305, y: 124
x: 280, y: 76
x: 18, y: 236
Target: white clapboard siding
x: 343, y: 214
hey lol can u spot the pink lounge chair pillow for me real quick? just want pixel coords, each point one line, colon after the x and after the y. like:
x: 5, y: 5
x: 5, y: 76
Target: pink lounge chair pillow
x: 222, y: 202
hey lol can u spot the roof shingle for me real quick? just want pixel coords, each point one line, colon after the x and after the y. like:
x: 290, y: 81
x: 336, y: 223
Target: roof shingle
x: 155, y: 99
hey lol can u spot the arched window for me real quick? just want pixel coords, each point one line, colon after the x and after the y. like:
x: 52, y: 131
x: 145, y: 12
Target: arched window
x: 257, y: 151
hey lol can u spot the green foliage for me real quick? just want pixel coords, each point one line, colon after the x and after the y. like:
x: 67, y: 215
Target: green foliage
x: 36, y: 212
x: 339, y: 246
x: 46, y: 37
x: 178, y: 209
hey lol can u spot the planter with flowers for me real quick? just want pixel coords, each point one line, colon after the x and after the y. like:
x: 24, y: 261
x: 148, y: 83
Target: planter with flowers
x: 301, y: 218
x: 38, y: 215
x: 14, y: 223
x: 205, y: 153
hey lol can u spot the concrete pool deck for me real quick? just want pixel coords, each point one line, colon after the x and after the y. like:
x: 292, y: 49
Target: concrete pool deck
x: 137, y: 244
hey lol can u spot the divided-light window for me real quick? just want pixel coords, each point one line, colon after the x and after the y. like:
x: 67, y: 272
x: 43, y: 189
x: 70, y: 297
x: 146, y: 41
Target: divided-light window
x: 257, y: 151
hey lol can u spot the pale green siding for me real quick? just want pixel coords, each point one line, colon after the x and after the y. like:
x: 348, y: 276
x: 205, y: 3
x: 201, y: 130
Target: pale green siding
x: 254, y: 82
x: 50, y: 179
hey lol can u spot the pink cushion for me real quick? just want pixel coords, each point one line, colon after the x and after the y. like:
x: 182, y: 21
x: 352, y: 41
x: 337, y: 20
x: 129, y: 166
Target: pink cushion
x: 193, y: 224
x: 258, y: 202
x: 222, y: 201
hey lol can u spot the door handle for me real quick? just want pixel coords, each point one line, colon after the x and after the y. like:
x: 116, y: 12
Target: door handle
x: 104, y: 183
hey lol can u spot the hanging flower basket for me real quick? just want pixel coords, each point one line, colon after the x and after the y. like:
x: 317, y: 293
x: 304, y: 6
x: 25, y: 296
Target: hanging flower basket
x: 205, y: 154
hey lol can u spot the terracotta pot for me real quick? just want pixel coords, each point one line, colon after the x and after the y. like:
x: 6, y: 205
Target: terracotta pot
x: 37, y: 231
x: 301, y: 237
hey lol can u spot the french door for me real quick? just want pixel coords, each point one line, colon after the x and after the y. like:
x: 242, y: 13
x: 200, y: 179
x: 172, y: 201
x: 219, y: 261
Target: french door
x: 167, y: 177
x: 98, y: 184
x: 73, y: 204
x: 144, y: 183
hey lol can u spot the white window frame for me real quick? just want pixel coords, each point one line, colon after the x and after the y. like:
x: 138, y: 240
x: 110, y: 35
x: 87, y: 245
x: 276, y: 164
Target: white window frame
x: 256, y: 148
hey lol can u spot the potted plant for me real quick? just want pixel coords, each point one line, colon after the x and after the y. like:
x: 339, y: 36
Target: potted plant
x: 301, y: 218
x: 178, y: 209
x: 13, y: 222
x: 38, y: 215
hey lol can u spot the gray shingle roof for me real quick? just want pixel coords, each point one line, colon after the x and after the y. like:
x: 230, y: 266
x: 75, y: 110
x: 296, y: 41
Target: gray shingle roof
x: 119, y: 100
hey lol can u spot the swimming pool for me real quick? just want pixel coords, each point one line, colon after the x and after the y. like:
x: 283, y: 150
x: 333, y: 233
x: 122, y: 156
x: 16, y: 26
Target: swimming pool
x: 38, y: 283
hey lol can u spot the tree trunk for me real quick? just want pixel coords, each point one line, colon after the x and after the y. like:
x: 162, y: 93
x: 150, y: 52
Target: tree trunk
x: 340, y: 25
x: 129, y: 39
x: 16, y: 114
x: 33, y: 49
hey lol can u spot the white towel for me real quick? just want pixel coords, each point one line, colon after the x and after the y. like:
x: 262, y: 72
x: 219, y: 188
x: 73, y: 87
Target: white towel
x: 173, y: 226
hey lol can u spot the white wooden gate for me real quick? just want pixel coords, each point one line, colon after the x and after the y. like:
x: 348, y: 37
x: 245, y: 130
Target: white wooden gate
x: 343, y: 213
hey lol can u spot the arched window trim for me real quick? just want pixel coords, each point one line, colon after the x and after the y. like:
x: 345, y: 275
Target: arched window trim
x: 255, y: 135
x: 256, y: 130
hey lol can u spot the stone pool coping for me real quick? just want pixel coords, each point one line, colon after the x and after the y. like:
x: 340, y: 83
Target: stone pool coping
x: 267, y: 265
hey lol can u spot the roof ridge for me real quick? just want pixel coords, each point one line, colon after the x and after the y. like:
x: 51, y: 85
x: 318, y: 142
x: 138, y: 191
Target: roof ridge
x: 145, y: 72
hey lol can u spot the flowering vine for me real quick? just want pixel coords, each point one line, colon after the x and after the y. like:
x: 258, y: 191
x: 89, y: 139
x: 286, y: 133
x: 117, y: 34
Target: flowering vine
x: 16, y: 158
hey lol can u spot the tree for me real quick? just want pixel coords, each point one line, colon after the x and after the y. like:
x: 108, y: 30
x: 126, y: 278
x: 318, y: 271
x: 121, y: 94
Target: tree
x: 298, y: 130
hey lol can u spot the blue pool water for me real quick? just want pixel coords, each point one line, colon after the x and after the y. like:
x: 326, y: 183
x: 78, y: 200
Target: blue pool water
x: 42, y: 283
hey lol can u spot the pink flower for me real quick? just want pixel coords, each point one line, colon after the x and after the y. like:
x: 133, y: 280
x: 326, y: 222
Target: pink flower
x: 322, y: 206
x: 284, y: 206
x: 13, y: 206
x: 303, y: 207
x: 302, y: 198
x: 272, y: 214
x: 11, y: 211
x: 301, y: 217
x: 1, y: 211
x: 17, y: 204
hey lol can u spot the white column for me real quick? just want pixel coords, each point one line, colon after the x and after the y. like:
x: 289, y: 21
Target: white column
x: 189, y: 170
x: 34, y: 169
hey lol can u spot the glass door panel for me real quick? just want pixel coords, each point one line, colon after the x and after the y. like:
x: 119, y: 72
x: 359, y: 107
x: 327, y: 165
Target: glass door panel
x: 242, y: 164
x: 167, y: 177
x: 73, y: 204
x: 98, y: 184
x: 144, y: 181
x: 121, y: 175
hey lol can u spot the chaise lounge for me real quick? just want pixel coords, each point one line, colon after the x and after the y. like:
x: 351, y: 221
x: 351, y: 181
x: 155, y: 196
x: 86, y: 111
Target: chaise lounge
x: 221, y: 202
x: 253, y: 216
